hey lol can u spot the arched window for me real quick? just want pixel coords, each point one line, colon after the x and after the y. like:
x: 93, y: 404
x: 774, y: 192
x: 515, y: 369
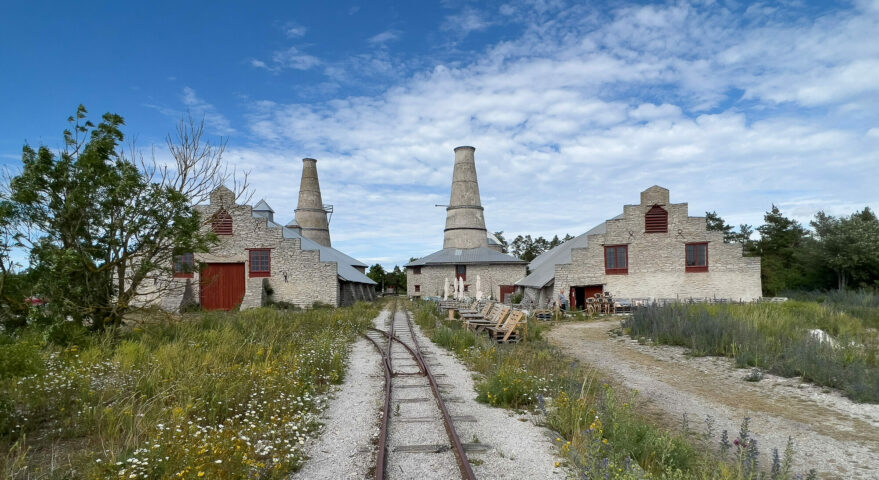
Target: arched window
x: 656, y: 220
x: 222, y: 223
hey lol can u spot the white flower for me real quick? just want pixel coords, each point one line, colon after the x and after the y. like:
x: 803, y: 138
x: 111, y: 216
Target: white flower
x: 218, y: 461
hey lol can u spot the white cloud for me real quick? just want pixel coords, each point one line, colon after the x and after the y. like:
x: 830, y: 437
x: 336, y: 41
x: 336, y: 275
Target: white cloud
x: 586, y: 109
x: 466, y: 21
x: 295, y: 59
x: 200, y: 108
x: 384, y: 37
x: 293, y: 30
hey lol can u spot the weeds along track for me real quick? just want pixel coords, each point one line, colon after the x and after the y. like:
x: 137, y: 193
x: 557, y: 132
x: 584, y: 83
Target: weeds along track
x: 418, y: 437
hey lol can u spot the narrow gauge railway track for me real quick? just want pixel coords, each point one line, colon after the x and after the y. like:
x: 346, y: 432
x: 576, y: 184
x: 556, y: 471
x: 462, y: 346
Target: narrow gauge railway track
x: 384, y: 340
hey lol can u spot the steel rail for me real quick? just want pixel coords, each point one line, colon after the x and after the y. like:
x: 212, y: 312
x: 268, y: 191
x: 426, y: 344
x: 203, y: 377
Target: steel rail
x: 460, y: 454
x: 457, y: 446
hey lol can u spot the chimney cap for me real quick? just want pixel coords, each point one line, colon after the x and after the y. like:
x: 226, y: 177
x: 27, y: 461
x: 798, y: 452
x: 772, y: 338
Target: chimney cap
x: 465, y: 147
x: 307, y: 159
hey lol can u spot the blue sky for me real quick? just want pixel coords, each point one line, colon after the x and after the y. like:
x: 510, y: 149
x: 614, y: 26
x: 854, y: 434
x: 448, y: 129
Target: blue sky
x: 573, y: 109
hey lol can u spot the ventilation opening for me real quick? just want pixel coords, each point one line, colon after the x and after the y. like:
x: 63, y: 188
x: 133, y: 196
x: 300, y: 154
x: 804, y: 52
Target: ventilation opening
x: 656, y: 220
x: 222, y: 223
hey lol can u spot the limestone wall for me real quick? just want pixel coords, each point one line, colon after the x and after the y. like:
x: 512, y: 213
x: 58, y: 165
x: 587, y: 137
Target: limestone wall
x: 492, y: 276
x: 656, y: 263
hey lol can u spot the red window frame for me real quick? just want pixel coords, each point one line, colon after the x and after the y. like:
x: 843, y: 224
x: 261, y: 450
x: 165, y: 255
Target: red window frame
x: 612, y: 267
x: 461, y: 271
x: 222, y: 223
x: 691, y: 257
x: 260, y: 267
x: 416, y: 270
x: 184, y: 265
x: 417, y: 288
x: 656, y: 220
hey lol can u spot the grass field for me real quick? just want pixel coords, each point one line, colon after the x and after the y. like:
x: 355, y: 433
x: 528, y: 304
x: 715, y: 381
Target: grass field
x: 600, y: 431
x: 213, y: 396
x: 776, y: 337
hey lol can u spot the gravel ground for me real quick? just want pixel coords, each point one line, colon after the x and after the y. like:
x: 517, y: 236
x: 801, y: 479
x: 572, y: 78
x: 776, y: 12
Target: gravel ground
x: 345, y: 447
x: 516, y: 447
x: 832, y: 434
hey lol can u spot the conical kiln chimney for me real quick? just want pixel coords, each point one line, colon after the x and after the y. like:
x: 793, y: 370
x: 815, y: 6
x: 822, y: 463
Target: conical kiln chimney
x: 465, y: 222
x: 310, y: 213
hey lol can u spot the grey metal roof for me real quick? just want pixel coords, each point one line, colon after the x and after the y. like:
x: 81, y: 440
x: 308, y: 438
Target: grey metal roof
x: 465, y: 256
x: 292, y: 223
x: 543, y: 267
x: 492, y: 239
x: 346, y: 264
x: 262, y: 206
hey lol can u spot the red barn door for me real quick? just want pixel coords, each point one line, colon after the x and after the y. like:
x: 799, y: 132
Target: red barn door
x: 222, y: 286
x: 507, y: 292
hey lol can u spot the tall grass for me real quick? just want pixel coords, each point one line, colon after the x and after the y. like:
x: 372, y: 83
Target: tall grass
x: 216, y: 396
x: 774, y: 337
x: 601, y: 433
x: 860, y: 304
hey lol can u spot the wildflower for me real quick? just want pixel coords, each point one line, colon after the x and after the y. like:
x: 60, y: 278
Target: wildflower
x: 200, y: 474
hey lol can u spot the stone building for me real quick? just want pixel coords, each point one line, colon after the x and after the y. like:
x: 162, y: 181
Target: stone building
x: 468, y: 249
x: 258, y: 260
x: 653, y: 250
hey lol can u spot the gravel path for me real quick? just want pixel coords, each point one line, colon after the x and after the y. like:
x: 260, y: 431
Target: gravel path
x: 516, y: 448
x: 832, y: 434
x: 345, y: 447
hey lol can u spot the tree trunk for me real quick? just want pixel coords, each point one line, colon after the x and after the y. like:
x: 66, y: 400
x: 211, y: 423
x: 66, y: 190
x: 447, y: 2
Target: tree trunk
x: 840, y: 277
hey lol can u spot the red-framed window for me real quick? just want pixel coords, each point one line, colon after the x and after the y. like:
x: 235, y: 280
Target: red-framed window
x: 697, y: 257
x: 656, y: 220
x: 616, y: 259
x: 260, y: 262
x: 417, y: 288
x: 416, y: 270
x: 184, y: 265
x: 222, y: 223
x: 461, y: 271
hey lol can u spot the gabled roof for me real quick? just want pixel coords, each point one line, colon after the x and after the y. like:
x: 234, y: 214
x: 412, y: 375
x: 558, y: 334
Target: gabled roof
x: 465, y: 256
x: 262, y: 206
x: 345, y: 264
x: 543, y: 267
x: 292, y: 224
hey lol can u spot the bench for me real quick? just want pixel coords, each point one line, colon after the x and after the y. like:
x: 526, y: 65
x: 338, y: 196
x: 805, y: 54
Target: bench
x: 495, y: 319
x: 510, y: 330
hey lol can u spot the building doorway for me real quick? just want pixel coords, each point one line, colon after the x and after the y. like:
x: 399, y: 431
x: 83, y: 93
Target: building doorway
x: 507, y: 292
x: 221, y: 286
x: 580, y: 294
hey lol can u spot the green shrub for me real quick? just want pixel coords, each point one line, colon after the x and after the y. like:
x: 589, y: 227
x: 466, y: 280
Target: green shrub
x: 66, y: 333
x: 20, y: 359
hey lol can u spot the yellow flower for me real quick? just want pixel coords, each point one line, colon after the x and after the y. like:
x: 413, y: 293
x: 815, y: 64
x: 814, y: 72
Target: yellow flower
x: 557, y: 464
x: 604, y: 441
x: 200, y: 474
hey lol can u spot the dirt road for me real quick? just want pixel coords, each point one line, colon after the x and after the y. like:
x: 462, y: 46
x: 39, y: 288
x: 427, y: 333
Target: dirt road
x: 833, y: 435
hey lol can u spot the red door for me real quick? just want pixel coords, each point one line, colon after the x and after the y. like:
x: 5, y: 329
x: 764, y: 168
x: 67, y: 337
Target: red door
x: 507, y: 292
x: 222, y: 286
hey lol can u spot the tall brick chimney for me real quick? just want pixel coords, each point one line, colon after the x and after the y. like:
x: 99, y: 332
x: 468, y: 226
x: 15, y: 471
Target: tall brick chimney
x: 465, y: 222
x: 310, y: 213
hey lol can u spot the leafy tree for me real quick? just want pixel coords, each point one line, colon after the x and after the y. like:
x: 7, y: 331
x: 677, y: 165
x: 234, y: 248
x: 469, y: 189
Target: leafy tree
x: 100, y: 222
x: 715, y: 223
x: 397, y: 279
x: 782, y: 246
x: 849, y: 246
x: 377, y: 274
x: 505, y: 246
